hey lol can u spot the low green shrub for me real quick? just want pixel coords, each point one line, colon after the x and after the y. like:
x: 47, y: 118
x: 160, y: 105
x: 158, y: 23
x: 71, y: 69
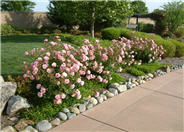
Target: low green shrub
x: 149, y: 68
x: 115, y: 33
x: 134, y: 71
x: 7, y: 29
x: 179, y: 47
x: 168, y: 46
x: 148, y: 28
x: 111, y: 33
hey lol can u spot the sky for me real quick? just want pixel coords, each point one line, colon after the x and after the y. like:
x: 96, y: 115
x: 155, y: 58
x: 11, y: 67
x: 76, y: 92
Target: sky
x: 41, y: 5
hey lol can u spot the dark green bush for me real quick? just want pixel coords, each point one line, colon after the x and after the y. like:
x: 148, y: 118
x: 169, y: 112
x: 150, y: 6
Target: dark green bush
x: 111, y: 33
x: 148, y: 28
x: 7, y: 29
x: 115, y: 33
x: 179, y: 47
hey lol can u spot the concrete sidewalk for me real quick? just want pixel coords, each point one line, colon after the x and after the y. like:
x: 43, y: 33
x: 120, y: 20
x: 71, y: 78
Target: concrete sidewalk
x: 156, y: 106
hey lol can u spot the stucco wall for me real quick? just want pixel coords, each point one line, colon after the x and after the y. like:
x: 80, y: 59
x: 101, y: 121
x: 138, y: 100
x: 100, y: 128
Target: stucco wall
x: 25, y: 19
x: 143, y: 20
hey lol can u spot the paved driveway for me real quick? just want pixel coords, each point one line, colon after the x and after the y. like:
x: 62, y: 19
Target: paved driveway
x: 156, y: 106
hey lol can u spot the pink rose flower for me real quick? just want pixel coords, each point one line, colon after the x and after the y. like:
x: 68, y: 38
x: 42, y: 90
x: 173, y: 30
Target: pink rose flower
x: 58, y: 96
x: 57, y: 75
x: 32, y: 77
x: 49, y: 70
x: 74, y: 94
x: 40, y: 94
x: 44, y: 66
x: 63, y: 96
x: 78, y: 80
x: 72, y: 86
x: 67, y: 81
x: 26, y: 53
x: 104, y: 57
x: 120, y: 69
x: 54, y: 64
x: 82, y: 83
x: 58, y: 83
x: 46, y: 58
x: 46, y: 40
x: 43, y: 90
x: 38, y: 86
x: 99, y: 78
x: 48, y: 53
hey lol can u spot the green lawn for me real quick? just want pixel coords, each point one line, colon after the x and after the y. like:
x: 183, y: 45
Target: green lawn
x: 12, y: 51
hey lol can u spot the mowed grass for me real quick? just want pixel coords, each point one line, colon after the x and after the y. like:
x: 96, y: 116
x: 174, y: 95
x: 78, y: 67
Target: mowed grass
x: 12, y: 52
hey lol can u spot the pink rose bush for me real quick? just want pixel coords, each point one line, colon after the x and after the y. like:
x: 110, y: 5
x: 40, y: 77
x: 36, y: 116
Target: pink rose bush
x: 59, y: 69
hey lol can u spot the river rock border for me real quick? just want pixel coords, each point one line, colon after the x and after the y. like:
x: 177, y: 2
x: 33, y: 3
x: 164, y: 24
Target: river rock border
x: 88, y: 103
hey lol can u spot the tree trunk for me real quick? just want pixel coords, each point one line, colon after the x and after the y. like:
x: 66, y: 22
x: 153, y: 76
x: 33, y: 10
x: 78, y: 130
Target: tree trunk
x: 93, y: 22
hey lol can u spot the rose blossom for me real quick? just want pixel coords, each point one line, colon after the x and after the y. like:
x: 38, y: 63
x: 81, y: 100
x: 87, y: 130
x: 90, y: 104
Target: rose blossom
x: 44, y: 66
x: 58, y: 83
x: 40, y: 94
x: 43, y: 90
x: 48, y: 53
x: 46, y: 58
x: 26, y: 53
x: 64, y: 74
x: 49, y: 70
x: 67, y: 81
x: 57, y: 75
x: 58, y: 96
x: 82, y: 83
x: 45, y: 40
x: 72, y: 86
x: 38, y: 86
x: 104, y: 57
x: 99, y: 78
x: 78, y: 80
x: 63, y: 96
x: 54, y: 64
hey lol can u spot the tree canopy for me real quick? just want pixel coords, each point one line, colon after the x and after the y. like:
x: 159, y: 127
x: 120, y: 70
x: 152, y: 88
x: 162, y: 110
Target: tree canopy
x: 88, y: 12
x: 18, y: 6
x: 140, y: 7
x: 174, y: 15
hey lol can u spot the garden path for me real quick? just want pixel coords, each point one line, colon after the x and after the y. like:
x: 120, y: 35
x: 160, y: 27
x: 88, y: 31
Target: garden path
x: 156, y: 106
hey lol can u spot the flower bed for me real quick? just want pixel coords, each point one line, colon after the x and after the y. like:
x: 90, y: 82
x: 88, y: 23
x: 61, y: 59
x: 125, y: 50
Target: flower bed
x: 61, y: 75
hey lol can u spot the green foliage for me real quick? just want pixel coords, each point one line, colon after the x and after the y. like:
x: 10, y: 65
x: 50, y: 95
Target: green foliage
x: 179, y: 47
x: 168, y: 46
x: 134, y: 71
x: 140, y: 7
x: 174, y: 15
x: 117, y: 78
x: 149, y: 68
x: 7, y: 29
x: 115, y: 33
x: 179, y: 32
x: 79, y: 39
x: 95, y: 12
x: 160, y: 23
x: 148, y: 28
x: 20, y: 6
